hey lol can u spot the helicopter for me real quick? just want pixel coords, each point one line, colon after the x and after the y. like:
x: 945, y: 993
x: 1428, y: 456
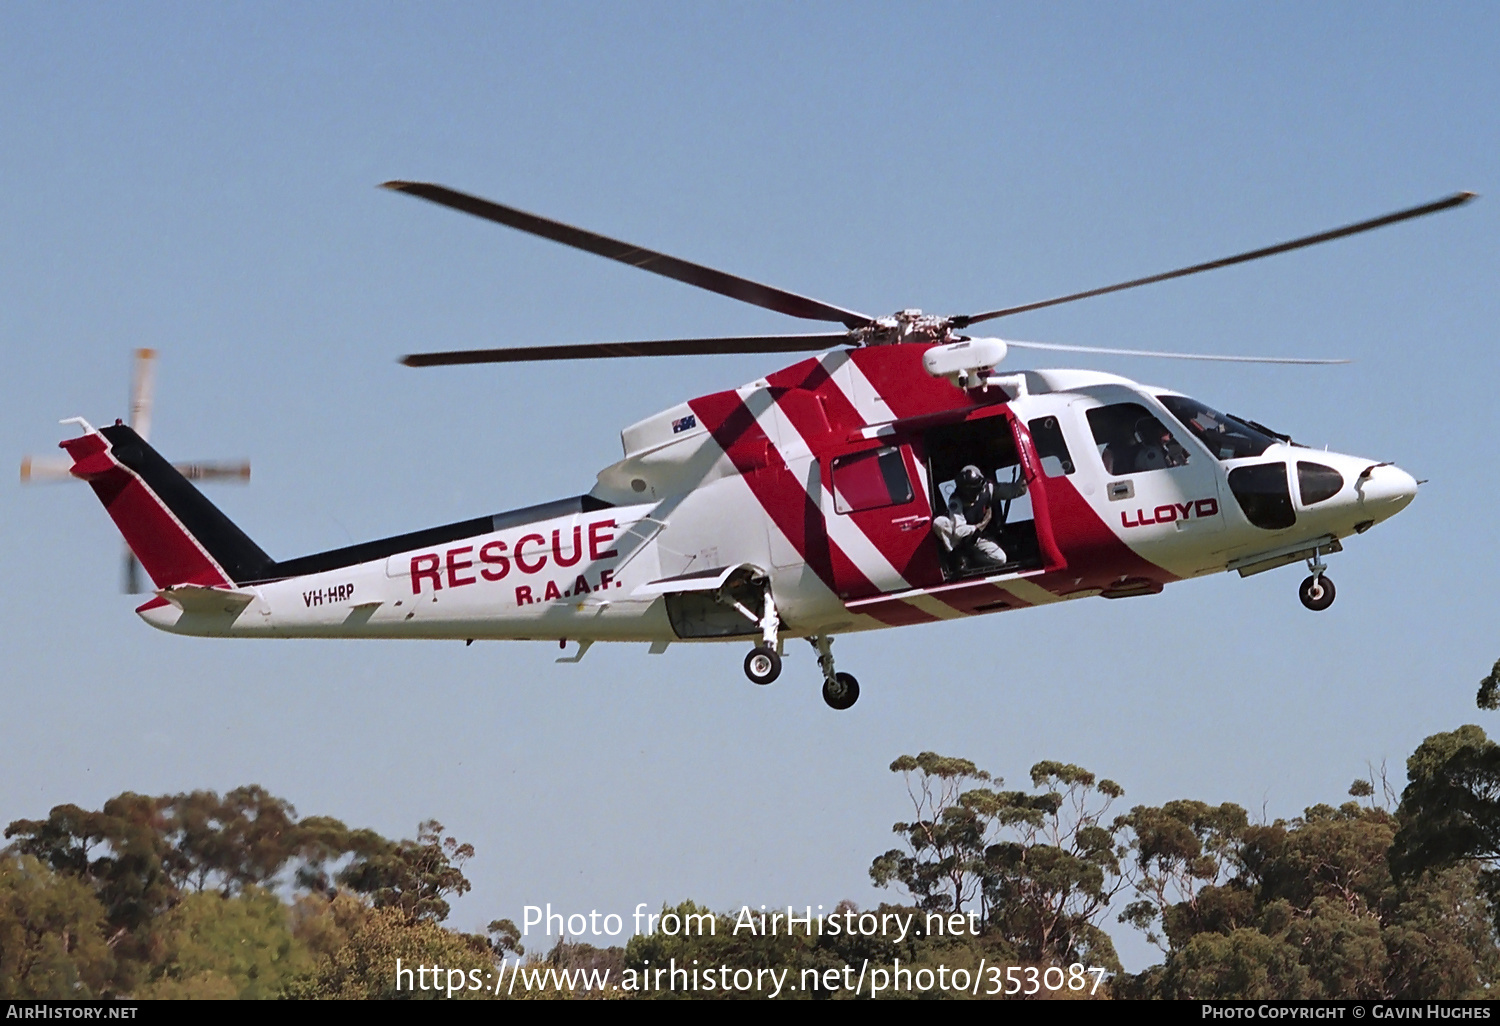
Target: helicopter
x: 898, y: 476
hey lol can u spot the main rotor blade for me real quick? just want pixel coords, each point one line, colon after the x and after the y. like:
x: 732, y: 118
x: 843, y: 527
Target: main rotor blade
x: 1457, y: 199
x: 607, y: 350
x: 1167, y: 356
x: 725, y: 284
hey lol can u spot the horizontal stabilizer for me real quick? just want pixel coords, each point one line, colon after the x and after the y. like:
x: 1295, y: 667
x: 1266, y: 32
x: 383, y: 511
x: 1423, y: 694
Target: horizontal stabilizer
x: 196, y: 598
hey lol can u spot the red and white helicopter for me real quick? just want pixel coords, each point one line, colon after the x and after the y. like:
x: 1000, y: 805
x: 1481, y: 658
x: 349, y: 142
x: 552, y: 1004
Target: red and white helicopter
x: 837, y: 494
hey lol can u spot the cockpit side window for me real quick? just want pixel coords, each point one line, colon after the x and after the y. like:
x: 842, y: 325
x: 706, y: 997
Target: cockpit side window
x: 1051, y: 447
x: 1226, y: 437
x: 1131, y: 440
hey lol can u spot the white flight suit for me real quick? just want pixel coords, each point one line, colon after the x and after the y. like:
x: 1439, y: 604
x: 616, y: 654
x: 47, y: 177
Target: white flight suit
x: 958, y: 534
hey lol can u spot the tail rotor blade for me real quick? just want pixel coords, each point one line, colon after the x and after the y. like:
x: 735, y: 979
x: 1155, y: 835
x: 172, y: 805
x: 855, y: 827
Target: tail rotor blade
x: 45, y: 469
x: 207, y: 470
x: 142, y: 386
x: 131, y: 583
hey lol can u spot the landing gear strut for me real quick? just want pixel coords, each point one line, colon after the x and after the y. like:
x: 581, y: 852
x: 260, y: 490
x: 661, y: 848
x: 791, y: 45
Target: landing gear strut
x: 763, y: 664
x: 840, y: 690
x: 1317, y: 591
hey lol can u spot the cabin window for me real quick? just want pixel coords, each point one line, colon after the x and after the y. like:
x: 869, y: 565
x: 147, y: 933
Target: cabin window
x: 1051, y: 447
x: 1228, y: 438
x: 1318, y: 483
x: 1263, y: 494
x: 1132, y: 440
x: 870, y: 480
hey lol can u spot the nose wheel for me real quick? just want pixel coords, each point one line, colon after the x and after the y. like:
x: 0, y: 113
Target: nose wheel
x: 762, y: 665
x: 1317, y: 591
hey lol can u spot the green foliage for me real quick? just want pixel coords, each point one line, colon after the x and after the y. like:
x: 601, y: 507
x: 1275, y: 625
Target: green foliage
x: 1042, y: 867
x: 121, y: 850
x: 354, y: 950
x: 1244, y: 965
x: 217, y: 946
x: 1450, y: 810
x: 1177, y: 851
x: 714, y: 940
x: 1489, y: 689
x: 943, y: 867
x: 51, y: 934
x: 413, y: 876
x: 200, y: 896
x: 179, y: 901
x: 505, y: 937
x: 1300, y: 909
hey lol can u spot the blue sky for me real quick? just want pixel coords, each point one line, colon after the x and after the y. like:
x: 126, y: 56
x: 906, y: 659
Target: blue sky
x: 201, y: 178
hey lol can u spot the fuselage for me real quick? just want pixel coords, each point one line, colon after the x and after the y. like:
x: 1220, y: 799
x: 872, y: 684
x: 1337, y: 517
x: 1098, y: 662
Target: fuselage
x: 824, y: 480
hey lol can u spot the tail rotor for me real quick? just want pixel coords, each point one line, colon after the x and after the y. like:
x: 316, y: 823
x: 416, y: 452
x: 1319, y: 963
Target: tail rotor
x: 45, y: 469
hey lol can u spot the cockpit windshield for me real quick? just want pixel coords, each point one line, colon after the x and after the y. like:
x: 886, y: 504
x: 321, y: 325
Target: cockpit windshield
x: 1226, y: 437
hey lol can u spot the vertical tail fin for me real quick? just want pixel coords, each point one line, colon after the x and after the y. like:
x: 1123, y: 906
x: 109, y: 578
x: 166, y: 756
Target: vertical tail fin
x: 177, y: 534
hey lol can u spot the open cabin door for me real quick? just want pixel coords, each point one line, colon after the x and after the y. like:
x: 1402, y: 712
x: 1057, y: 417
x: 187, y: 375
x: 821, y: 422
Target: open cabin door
x: 896, y: 493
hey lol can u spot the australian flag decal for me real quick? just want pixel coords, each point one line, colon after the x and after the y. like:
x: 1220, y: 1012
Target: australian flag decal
x: 682, y: 424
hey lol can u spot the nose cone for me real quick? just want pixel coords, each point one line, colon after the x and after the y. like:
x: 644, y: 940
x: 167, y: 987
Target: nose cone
x: 1385, y: 491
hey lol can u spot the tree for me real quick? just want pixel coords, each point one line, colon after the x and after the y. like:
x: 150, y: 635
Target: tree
x: 943, y: 865
x: 413, y: 876
x: 51, y: 934
x: 1041, y: 866
x: 1489, y: 689
x: 241, y: 840
x: 218, y: 946
x: 1055, y: 867
x: 1306, y: 908
x: 1182, y: 852
x: 1450, y: 810
x: 354, y: 950
x: 177, y: 875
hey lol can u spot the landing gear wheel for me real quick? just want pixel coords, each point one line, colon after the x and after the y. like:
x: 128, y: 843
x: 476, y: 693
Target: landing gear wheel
x: 842, y: 691
x: 1316, y: 592
x: 762, y: 665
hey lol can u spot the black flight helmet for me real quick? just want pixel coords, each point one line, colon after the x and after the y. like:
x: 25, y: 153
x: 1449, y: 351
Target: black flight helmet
x: 970, y: 481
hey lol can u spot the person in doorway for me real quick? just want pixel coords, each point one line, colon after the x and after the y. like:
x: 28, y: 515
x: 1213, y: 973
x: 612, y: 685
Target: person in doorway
x: 974, y: 519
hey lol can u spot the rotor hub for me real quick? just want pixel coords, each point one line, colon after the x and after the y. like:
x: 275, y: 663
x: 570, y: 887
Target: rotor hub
x: 904, y: 326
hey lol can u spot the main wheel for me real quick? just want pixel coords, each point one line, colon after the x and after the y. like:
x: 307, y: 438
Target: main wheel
x: 762, y: 665
x: 1316, y: 592
x: 842, y: 691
